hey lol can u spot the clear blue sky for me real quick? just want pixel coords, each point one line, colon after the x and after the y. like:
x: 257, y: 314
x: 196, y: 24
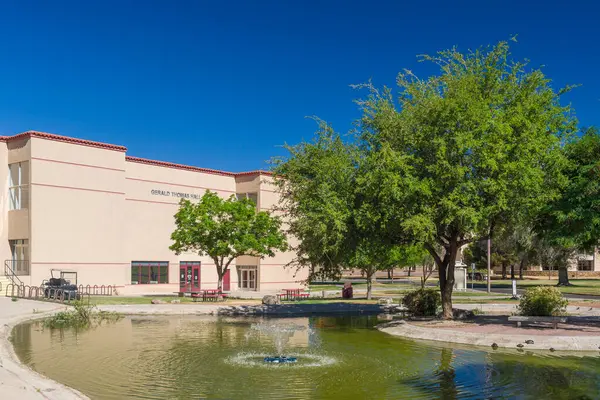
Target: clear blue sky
x: 221, y: 84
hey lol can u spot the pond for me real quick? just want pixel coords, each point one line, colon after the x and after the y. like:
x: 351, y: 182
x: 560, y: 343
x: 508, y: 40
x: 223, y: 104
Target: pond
x: 338, y: 358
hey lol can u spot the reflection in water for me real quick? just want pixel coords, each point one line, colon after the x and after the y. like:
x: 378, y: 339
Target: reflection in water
x: 201, y: 357
x: 447, y: 376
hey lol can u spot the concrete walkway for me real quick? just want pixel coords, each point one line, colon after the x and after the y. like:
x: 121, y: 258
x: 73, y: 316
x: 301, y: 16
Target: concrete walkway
x: 579, y: 334
x: 16, y: 380
x: 508, y: 309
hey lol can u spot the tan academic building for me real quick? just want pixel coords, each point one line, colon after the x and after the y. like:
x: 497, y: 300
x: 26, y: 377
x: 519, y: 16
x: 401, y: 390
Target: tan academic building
x: 78, y: 205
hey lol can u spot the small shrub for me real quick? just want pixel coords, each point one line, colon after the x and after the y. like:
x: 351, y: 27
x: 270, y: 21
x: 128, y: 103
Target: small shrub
x: 542, y: 301
x: 422, y: 302
x: 477, y: 311
x: 14, y: 299
x: 81, y: 316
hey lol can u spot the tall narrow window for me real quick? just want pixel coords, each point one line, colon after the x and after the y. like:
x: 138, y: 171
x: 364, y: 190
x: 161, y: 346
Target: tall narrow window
x: 247, y: 277
x: 252, y: 196
x: 19, y: 250
x: 18, y: 191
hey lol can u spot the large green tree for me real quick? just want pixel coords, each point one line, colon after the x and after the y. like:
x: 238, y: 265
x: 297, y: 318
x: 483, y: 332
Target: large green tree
x: 225, y: 229
x: 316, y: 185
x: 447, y: 160
x: 475, y: 147
x: 329, y: 212
x: 571, y: 223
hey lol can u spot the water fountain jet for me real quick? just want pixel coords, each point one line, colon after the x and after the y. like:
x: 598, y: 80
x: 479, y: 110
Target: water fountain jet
x: 280, y: 334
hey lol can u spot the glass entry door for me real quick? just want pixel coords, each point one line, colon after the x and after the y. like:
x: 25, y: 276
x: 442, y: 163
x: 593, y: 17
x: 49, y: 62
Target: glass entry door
x: 189, y: 276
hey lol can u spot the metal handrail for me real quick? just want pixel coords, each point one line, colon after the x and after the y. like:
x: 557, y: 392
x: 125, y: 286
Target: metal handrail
x: 11, y: 274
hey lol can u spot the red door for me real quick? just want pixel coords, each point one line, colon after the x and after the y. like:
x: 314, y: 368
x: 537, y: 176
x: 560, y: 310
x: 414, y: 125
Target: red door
x: 227, y: 281
x: 189, y: 276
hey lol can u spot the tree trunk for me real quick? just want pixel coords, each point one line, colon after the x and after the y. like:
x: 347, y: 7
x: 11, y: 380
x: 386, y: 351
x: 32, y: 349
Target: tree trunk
x: 389, y: 274
x: 447, y: 375
x: 409, y: 268
x: 512, y: 270
x: 369, y: 285
x: 446, y: 292
x: 503, y: 269
x: 521, y: 265
x: 446, y: 271
x: 563, y: 277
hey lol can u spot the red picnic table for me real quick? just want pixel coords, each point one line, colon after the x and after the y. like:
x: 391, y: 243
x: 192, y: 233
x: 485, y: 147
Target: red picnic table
x: 293, y: 294
x: 208, y: 294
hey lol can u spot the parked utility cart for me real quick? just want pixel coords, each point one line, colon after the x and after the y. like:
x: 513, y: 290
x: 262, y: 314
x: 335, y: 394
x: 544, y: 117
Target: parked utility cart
x: 58, y: 285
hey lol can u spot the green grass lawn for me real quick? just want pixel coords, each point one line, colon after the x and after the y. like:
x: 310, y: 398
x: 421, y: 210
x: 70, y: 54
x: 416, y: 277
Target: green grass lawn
x: 578, y: 286
x: 472, y: 294
x: 464, y: 300
x: 336, y: 300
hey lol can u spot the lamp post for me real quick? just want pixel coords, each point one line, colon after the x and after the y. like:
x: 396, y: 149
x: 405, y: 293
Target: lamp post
x: 489, y: 264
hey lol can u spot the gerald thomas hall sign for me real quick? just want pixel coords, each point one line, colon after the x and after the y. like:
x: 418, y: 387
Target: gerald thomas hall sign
x: 179, y: 195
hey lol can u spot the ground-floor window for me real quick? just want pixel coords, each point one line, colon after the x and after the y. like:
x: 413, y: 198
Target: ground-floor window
x: 19, y: 250
x: 247, y: 277
x: 585, y: 265
x: 149, y: 272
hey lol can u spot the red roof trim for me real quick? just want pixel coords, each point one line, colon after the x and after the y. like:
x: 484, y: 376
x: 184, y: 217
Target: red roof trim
x: 176, y: 166
x: 258, y: 172
x: 157, y: 163
x: 107, y: 146
x: 58, y: 138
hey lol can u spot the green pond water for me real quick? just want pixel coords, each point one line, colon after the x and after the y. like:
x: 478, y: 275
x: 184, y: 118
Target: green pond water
x: 338, y: 358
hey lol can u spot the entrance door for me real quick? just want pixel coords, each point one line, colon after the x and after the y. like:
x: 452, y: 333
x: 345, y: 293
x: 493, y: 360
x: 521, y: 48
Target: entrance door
x: 189, y: 276
x: 227, y: 281
x: 247, y: 277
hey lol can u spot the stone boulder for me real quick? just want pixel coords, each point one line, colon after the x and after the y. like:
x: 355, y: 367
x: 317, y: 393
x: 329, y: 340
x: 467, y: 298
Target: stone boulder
x: 156, y: 301
x: 270, y: 300
x: 462, y: 314
x: 175, y: 301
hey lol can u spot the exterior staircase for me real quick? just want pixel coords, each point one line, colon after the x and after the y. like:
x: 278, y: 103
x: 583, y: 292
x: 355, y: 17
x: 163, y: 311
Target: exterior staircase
x: 9, y: 274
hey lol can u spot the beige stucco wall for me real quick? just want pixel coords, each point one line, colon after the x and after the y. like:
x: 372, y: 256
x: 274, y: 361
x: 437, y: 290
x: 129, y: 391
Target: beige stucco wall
x: 4, y: 206
x: 77, y: 211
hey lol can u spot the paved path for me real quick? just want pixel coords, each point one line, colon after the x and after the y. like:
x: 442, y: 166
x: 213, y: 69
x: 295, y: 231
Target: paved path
x: 17, y: 381
x: 507, y: 309
x: 578, y: 335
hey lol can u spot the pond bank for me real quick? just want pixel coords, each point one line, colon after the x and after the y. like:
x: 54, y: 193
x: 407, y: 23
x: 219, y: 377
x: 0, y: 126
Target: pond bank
x: 18, y: 381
